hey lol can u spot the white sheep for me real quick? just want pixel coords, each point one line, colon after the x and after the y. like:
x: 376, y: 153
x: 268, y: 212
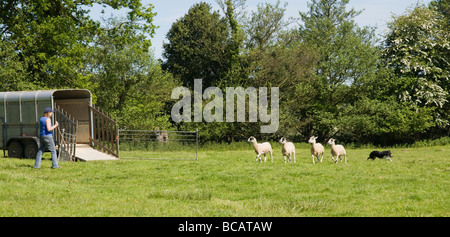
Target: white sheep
x: 316, y: 149
x: 261, y: 149
x: 287, y: 149
x: 337, y: 151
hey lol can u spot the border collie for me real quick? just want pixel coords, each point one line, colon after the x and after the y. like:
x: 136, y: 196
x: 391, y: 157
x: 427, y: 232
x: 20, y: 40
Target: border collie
x: 381, y: 155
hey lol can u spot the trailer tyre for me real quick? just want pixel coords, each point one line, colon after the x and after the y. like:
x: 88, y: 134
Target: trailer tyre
x: 31, y: 150
x: 15, y: 150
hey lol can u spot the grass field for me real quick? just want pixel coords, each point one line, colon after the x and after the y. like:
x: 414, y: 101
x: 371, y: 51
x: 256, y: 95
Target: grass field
x: 228, y: 182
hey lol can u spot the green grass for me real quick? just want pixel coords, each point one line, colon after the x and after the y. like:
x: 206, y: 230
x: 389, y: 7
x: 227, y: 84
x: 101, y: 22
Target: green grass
x: 228, y: 182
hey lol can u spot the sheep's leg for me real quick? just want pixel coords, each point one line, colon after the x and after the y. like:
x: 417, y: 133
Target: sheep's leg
x: 258, y: 157
x: 265, y: 158
x: 313, y: 158
x: 271, y: 157
x: 284, y: 159
x: 295, y: 161
x: 320, y: 158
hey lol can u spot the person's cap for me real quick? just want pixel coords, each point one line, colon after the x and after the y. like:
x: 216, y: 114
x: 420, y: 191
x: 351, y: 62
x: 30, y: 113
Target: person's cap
x: 47, y: 110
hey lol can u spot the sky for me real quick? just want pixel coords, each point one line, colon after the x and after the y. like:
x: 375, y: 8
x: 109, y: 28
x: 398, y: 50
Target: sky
x: 375, y: 13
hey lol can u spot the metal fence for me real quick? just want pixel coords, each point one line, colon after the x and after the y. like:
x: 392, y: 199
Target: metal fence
x: 158, y: 145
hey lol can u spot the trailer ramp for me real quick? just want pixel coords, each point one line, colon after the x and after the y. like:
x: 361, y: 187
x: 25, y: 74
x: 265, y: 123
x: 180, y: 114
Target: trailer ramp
x: 87, y: 153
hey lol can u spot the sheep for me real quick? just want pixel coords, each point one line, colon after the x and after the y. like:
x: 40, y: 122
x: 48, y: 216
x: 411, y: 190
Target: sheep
x: 161, y: 136
x: 287, y: 149
x: 261, y: 149
x: 316, y: 149
x: 337, y: 151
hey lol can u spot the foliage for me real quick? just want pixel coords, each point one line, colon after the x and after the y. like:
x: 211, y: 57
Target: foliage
x: 52, y: 38
x: 334, y: 77
x: 347, y: 57
x: 381, y: 122
x: 417, y: 46
x: 12, y: 72
x: 237, y: 73
x: 197, y: 46
x: 55, y: 44
x: 130, y: 83
x: 266, y: 24
x: 287, y: 68
x: 346, y: 51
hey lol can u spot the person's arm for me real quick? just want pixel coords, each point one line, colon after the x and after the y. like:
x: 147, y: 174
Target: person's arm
x: 49, y: 125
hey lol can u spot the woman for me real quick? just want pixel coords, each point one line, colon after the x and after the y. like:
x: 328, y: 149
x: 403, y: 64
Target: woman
x: 46, y: 139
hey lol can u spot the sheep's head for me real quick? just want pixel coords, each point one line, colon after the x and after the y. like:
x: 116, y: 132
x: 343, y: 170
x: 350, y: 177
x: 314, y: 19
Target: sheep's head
x: 283, y: 140
x: 312, y: 140
x: 251, y: 139
x: 331, y: 141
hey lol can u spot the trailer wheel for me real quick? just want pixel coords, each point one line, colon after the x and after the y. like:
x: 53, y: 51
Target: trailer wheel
x: 31, y: 150
x: 15, y: 150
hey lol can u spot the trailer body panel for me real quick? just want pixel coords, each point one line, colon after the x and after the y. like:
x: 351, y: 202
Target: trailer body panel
x: 20, y: 111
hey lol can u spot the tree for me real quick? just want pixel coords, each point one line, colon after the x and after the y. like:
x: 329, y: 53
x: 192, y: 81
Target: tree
x: 13, y: 74
x: 417, y: 48
x: 265, y: 25
x: 346, y: 51
x: 443, y: 7
x: 197, y: 46
x: 130, y: 83
x: 347, y: 57
x: 288, y: 68
x: 52, y: 38
x: 237, y: 73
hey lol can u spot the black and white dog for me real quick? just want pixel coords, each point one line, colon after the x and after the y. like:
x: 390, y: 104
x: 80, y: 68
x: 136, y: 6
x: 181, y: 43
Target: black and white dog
x: 381, y: 155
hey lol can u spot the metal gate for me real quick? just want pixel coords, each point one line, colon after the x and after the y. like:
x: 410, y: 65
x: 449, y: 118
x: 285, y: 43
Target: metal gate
x: 67, y: 146
x: 66, y: 135
x: 159, y: 145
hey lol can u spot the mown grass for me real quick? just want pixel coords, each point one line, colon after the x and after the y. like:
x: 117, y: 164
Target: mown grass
x: 227, y: 181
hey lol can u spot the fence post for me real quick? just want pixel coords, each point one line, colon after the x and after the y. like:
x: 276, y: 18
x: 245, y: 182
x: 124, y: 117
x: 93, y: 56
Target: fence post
x: 117, y: 137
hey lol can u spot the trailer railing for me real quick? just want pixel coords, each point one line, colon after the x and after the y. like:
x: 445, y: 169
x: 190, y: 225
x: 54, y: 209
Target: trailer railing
x: 104, y: 132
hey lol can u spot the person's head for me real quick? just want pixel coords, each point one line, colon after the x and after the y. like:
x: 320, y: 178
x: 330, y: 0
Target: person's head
x: 48, y: 112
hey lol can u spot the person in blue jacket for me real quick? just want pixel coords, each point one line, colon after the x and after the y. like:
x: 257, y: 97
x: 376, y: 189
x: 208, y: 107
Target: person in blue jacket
x: 46, y: 139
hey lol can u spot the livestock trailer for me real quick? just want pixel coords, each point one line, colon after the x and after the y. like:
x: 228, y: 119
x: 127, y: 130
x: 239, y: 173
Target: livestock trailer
x: 82, y: 125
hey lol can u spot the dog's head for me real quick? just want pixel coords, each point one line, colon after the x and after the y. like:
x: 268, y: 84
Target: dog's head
x: 388, y: 153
